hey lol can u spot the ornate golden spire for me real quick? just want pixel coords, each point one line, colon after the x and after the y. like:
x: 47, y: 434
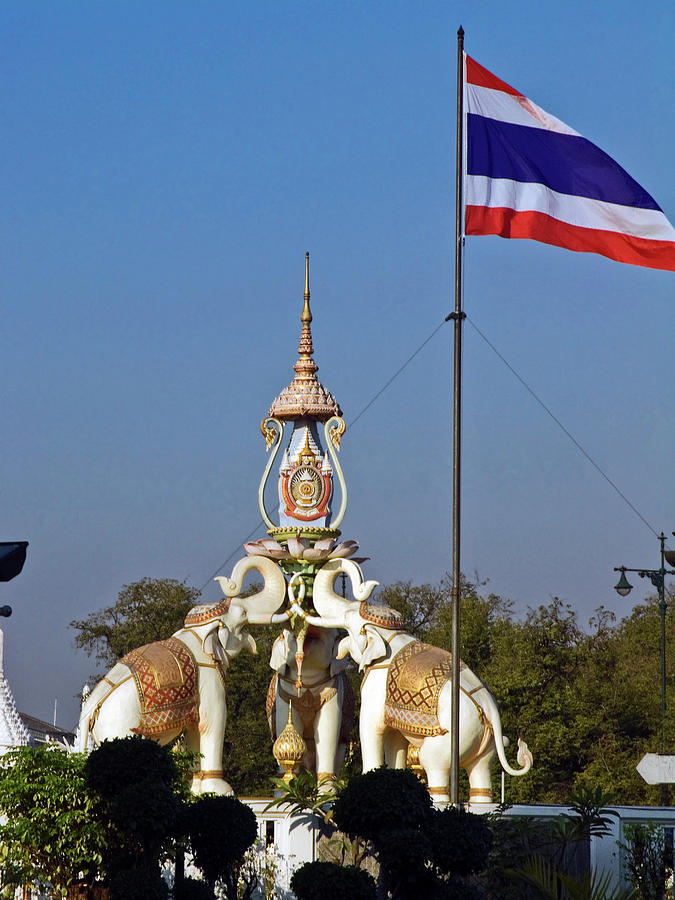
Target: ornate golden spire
x: 305, y: 396
x: 305, y: 364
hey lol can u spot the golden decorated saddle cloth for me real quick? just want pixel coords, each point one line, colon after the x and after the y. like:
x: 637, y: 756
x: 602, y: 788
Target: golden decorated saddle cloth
x: 165, y: 673
x: 415, y: 679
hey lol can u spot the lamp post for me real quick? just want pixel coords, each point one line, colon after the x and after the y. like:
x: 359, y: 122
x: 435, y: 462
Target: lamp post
x: 657, y: 578
x: 12, y: 558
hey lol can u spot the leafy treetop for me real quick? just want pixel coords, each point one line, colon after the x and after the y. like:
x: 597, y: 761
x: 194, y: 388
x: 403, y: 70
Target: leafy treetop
x: 148, y: 610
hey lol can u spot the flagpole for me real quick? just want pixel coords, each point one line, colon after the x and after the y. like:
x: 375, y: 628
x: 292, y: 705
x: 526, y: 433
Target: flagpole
x: 457, y: 316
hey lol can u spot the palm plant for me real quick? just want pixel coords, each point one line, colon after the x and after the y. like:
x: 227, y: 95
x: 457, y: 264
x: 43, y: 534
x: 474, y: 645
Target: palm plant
x: 552, y: 884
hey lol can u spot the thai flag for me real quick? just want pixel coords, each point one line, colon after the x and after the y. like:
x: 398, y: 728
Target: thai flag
x: 528, y: 175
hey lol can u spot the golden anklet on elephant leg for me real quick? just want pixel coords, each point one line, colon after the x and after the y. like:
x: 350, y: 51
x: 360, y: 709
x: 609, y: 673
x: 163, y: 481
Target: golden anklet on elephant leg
x: 484, y: 794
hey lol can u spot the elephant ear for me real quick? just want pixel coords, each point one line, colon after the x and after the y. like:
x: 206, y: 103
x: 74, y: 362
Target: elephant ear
x: 376, y: 648
x: 213, y: 645
x: 339, y: 661
x: 279, y: 654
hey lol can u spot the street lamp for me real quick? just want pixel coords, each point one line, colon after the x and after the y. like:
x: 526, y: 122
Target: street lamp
x: 12, y: 558
x: 657, y: 578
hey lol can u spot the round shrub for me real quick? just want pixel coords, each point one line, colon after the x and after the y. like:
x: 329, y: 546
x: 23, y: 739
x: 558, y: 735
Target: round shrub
x: 323, y: 880
x: 195, y: 890
x: 142, y: 882
x: 126, y: 762
x: 220, y: 831
x: 460, y: 841
x: 404, y: 853
x: 376, y: 800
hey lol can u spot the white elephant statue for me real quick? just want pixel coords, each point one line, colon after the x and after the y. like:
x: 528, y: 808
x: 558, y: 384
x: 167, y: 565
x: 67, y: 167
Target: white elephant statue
x: 178, y: 685
x: 308, y: 675
x: 406, y: 692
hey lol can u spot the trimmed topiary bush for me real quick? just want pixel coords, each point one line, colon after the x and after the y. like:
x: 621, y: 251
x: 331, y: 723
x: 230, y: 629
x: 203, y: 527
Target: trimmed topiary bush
x: 329, y: 881
x: 460, y: 841
x: 135, y: 780
x: 191, y: 889
x: 379, y: 800
x: 219, y: 830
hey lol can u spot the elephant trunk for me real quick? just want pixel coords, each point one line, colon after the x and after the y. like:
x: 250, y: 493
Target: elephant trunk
x: 331, y: 607
x: 261, y: 608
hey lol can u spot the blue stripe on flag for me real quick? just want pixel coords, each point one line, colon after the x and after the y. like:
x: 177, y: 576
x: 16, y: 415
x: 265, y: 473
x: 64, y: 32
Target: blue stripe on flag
x: 565, y: 163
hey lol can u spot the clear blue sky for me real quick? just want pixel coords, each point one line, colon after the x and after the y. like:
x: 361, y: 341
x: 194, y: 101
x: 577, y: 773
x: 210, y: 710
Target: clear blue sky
x: 164, y: 168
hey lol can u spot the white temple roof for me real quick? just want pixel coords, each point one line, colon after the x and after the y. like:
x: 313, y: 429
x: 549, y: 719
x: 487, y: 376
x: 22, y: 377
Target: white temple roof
x: 13, y: 732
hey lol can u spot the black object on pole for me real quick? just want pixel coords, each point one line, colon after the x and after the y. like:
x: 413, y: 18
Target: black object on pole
x: 5, y: 611
x: 12, y: 558
x: 457, y: 316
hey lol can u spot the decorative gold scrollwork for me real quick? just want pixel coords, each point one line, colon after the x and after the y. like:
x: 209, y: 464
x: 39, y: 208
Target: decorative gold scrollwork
x: 333, y: 430
x: 269, y: 428
x: 273, y: 431
x: 335, y: 427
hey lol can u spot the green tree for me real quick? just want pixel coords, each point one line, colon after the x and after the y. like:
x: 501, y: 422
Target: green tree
x: 621, y: 694
x: 420, y: 605
x: 219, y: 831
x: 138, y: 786
x: 421, y: 850
x: 249, y: 761
x: 147, y: 610
x: 51, y: 833
x: 586, y: 698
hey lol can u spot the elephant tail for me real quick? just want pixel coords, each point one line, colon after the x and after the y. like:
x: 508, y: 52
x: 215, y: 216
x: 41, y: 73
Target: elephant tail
x: 82, y: 733
x: 524, y: 756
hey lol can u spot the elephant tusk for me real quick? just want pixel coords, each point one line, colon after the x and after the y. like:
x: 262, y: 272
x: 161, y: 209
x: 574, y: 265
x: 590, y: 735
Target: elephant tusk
x: 321, y: 621
x: 269, y: 618
x: 266, y: 602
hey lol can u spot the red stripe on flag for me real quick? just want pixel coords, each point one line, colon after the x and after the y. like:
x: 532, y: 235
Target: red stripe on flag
x: 539, y: 227
x: 477, y: 74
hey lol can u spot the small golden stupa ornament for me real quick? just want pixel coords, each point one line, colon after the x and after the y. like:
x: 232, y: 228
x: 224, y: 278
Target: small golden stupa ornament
x: 289, y: 748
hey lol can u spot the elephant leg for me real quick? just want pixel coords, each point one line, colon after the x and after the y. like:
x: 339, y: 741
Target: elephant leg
x: 435, y: 760
x: 480, y: 780
x: 372, y: 746
x: 327, y: 724
x: 395, y: 750
x: 212, y: 716
x: 371, y: 720
x: 192, y: 742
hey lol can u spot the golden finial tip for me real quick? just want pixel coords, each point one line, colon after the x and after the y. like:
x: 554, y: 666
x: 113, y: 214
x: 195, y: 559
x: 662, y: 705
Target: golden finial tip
x: 306, y: 312
x: 305, y: 396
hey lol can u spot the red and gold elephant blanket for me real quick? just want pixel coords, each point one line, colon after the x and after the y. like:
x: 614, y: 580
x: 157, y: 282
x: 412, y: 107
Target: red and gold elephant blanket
x: 416, y: 675
x: 165, y: 673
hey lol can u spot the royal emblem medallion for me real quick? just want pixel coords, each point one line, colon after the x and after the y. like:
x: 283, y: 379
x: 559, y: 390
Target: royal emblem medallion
x: 306, y: 482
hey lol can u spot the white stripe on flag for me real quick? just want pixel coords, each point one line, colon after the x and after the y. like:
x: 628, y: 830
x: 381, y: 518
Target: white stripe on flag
x: 493, y: 104
x: 581, y: 211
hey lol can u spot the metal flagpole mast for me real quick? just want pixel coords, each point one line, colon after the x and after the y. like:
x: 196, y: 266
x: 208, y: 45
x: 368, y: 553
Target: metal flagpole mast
x: 457, y: 316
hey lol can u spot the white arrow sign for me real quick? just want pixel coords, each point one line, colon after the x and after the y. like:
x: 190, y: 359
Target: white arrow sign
x: 657, y: 769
